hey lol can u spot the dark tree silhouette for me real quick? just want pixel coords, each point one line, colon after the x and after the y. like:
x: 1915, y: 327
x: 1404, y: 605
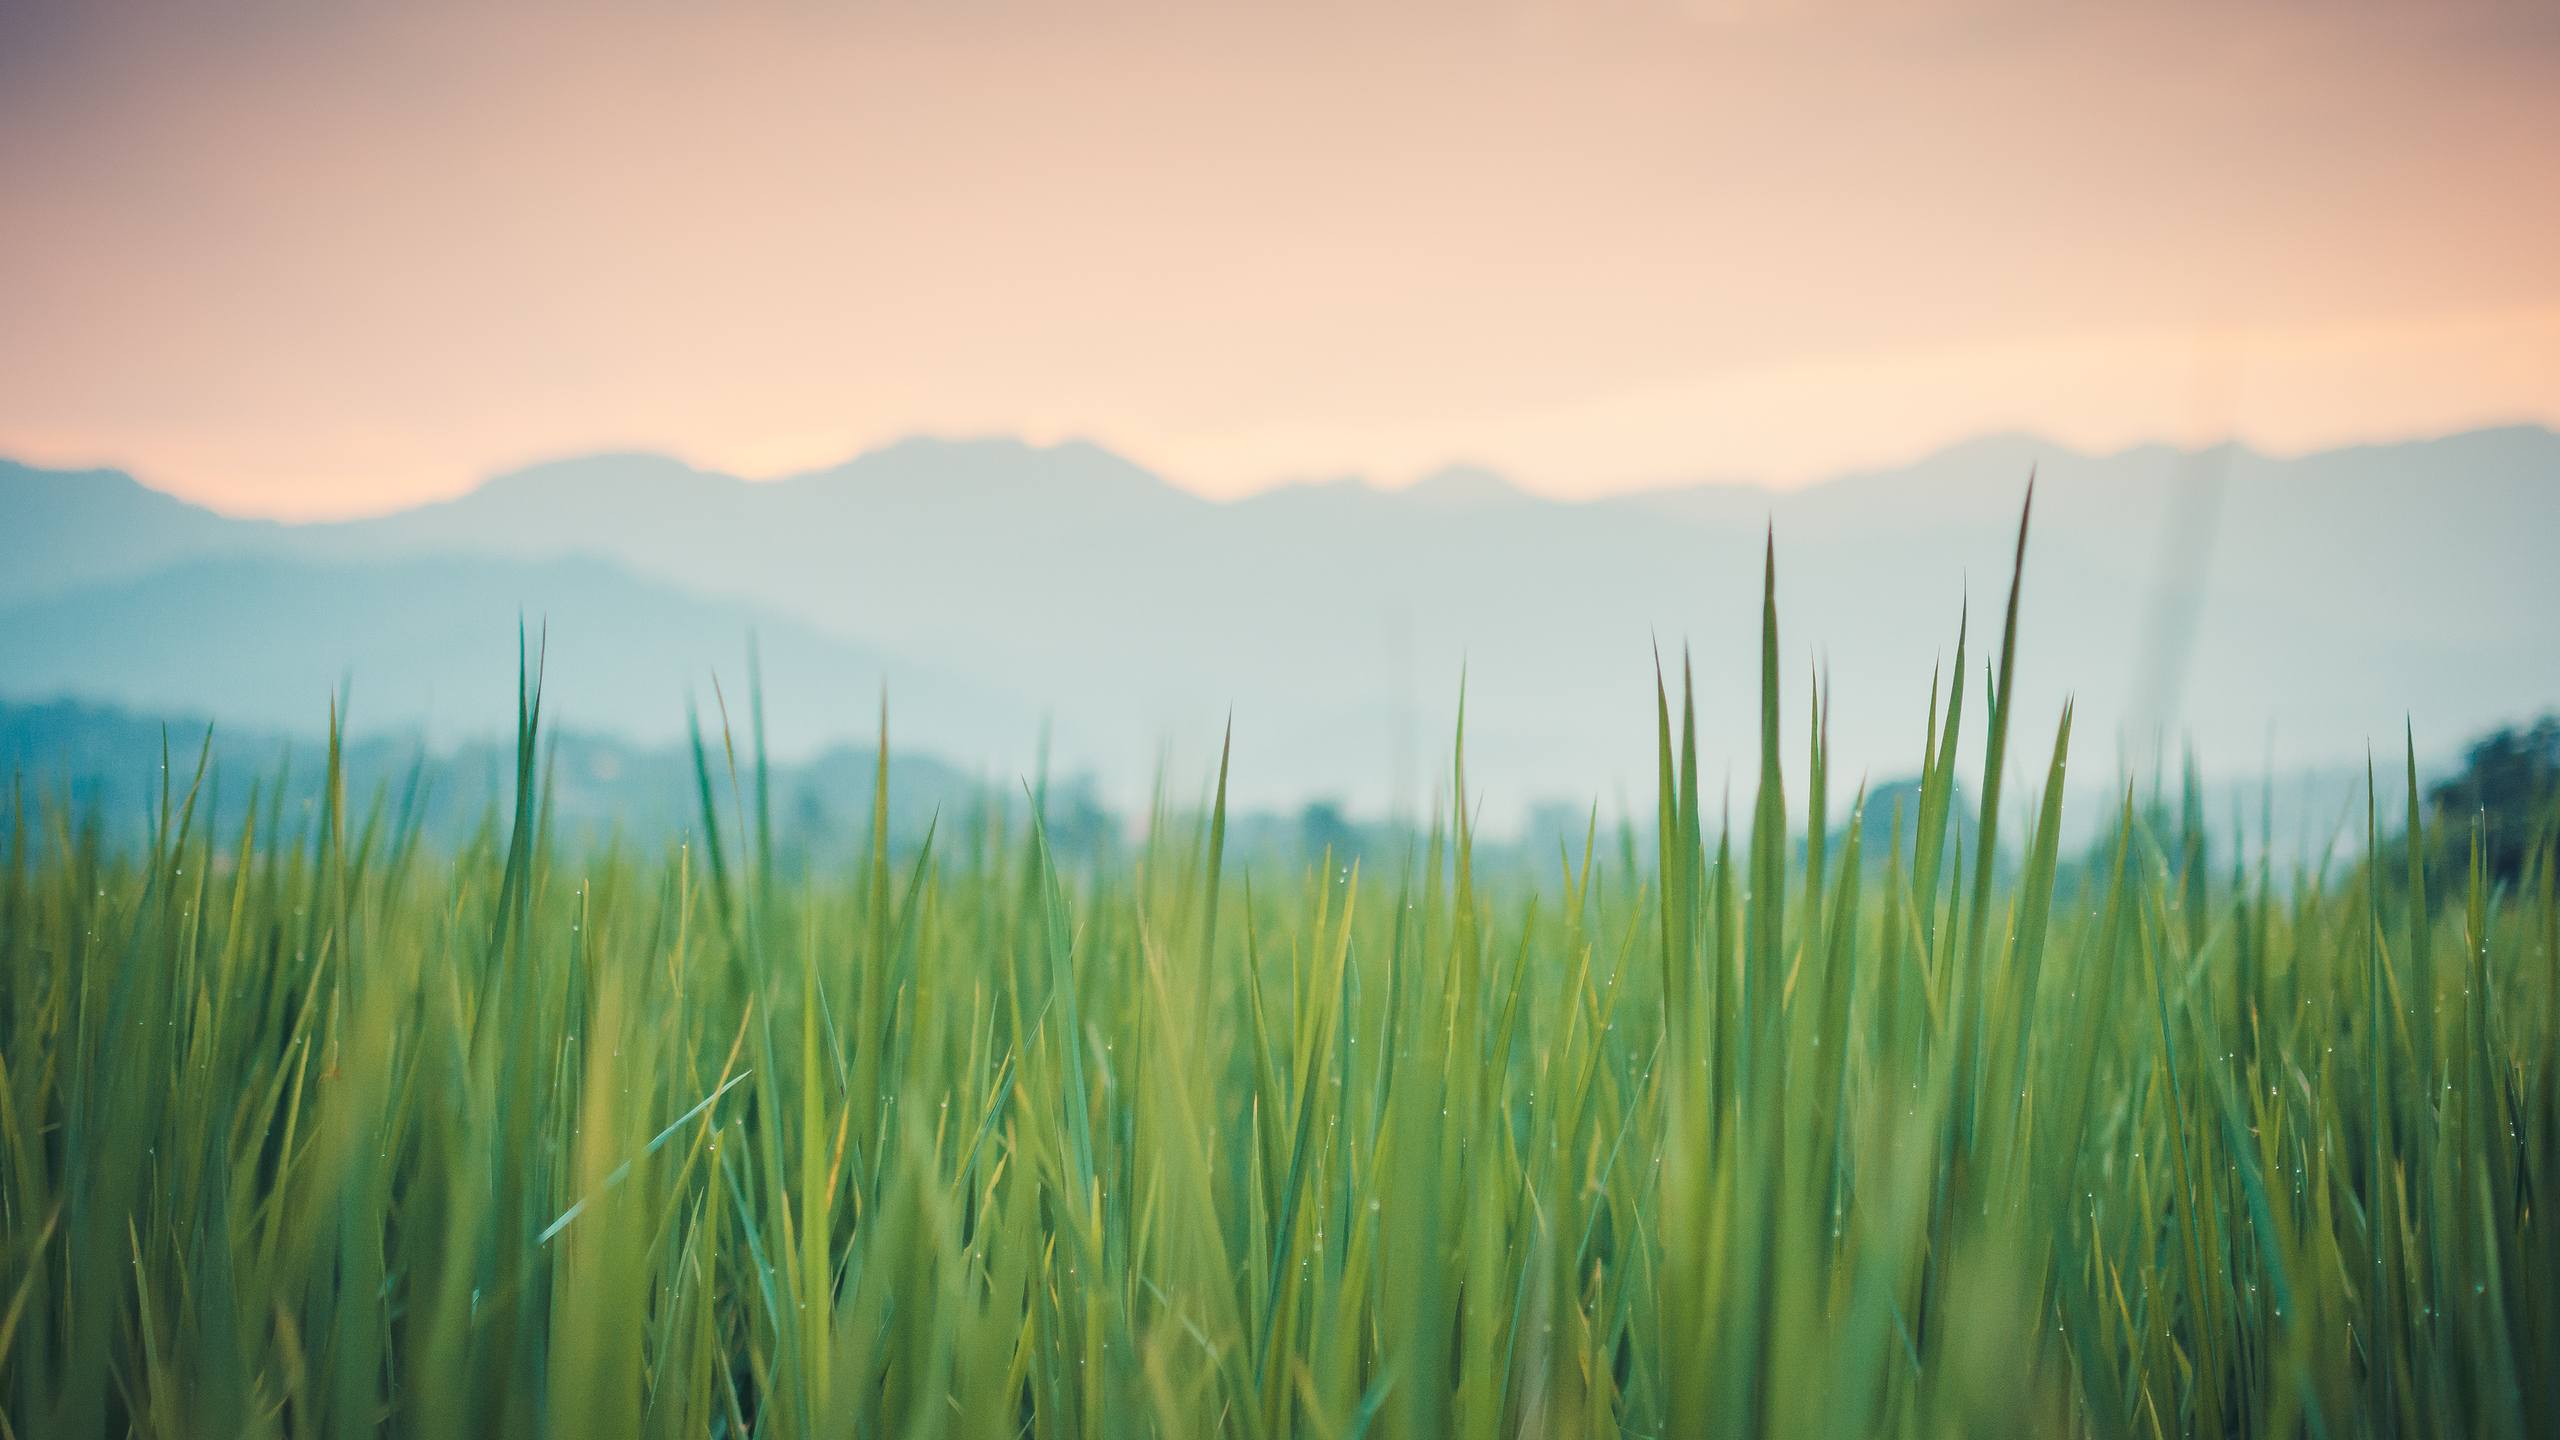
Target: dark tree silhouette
x: 2510, y: 783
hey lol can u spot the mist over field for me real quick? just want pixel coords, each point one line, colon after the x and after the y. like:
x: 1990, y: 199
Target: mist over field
x: 2274, y: 614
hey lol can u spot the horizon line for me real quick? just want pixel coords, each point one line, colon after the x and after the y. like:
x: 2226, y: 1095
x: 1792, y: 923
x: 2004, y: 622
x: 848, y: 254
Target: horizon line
x: 1072, y: 440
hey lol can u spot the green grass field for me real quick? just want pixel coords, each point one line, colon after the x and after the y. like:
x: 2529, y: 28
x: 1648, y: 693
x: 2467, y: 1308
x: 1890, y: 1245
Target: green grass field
x: 1719, y: 1130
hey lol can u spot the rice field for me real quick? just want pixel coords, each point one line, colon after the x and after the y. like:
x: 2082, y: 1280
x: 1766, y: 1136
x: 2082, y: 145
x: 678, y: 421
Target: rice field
x: 1722, y: 1128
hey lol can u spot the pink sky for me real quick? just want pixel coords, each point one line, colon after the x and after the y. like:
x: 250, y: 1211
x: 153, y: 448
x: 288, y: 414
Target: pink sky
x: 307, y: 259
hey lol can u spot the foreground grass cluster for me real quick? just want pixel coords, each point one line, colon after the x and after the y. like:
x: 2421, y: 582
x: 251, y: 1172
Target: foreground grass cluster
x: 304, y: 1131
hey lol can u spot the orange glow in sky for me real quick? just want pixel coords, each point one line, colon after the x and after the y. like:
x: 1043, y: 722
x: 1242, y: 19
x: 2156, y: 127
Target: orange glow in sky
x: 305, y: 259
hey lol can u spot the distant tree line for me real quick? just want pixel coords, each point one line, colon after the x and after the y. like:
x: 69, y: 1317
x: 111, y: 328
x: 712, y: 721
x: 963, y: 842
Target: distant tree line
x: 2508, y: 794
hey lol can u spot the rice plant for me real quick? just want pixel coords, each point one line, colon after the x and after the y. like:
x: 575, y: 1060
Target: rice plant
x: 1728, y: 1129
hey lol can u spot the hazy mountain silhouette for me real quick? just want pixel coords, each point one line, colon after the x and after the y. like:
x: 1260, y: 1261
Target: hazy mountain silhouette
x: 2284, y: 608
x: 429, y: 644
x: 61, y: 529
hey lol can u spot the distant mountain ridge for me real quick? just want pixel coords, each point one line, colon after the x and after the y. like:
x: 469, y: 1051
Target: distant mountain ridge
x: 429, y: 643
x: 2304, y: 605
x: 68, y: 528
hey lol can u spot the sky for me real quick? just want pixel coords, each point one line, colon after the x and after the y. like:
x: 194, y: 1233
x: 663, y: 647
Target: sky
x: 309, y: 259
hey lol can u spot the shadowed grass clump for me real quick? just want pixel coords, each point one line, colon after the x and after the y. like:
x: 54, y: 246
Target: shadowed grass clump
x: 307, y: 1131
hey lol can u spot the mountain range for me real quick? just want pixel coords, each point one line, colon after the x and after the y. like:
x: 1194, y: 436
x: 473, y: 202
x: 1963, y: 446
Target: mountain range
x: 2283, y: 611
